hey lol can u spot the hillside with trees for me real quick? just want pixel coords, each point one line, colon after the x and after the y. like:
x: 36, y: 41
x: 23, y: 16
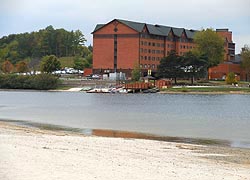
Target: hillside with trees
x: 28, y: 49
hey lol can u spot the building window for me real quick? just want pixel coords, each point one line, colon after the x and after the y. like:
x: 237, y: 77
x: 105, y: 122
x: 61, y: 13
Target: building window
x: 153, y: 44
x: 168, y: 45
x: 149, y: 51
x: 181, y: 46
x: 145, y: 66
x: 149, y: 57
x: 162, y: 52
x: 145, y: 43
x: 141, y: 57
x: 141, y: 66
x: 184, y: 47
x: 153, y: 66
x: 149, y: 66
x: 141, y: 50
x: 162, y: 45
x: 153, y: 58
x: 153, y: 51
x: 145, y: 51
x: 158, y: 44
x: 142, y: 43
x: 149, y: 43
x: 145, y: 57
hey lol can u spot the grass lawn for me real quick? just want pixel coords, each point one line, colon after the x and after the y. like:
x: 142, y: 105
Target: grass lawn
x: 66, y: 61
x: 208, y: 89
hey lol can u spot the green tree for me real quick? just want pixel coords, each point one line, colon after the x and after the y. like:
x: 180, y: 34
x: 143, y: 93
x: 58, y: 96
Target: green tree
x: 170, y: 67
x: 245, y: 55
x: 90, y: 47
x: 78, y: 63
x: 136, y: 72
x: 209, y: 43
x: 7, y: 67
x: 194, y: 66
x: 85, y: 51
x: 78, y: 42
x: 50, y: 64
x: 59, y: 42
x: 89, y: 59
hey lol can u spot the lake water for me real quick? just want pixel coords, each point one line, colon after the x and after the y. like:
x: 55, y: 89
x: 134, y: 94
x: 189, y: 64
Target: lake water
x: 225, y: 117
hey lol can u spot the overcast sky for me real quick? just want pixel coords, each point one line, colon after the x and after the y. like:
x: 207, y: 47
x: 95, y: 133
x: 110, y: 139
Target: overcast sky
x: 18, y: 16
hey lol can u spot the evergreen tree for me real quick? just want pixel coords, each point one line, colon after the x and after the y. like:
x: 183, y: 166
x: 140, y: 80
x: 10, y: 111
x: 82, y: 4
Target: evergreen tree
x: 170, y: 67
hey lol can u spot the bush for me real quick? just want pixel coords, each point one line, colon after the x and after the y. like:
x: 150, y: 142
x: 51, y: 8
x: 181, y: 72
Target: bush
x: 230, y: 79
x: 39, y: 82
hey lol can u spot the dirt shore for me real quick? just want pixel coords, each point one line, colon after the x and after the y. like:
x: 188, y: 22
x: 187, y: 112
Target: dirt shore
x: 32, y: 153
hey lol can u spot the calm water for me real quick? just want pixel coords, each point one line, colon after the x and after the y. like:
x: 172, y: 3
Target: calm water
x: 225, y: 117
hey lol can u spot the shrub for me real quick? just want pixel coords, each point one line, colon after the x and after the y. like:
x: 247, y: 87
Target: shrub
x: 230, y: 79
x: 39, y: 82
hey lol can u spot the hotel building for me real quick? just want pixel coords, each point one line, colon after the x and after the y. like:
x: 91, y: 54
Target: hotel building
x: 120, y: 44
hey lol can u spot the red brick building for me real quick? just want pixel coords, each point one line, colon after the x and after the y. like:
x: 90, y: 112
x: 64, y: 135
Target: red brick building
x: 120, y: 44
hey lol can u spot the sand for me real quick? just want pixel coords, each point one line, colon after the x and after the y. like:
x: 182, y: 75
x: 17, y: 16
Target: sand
x: 33, y: 154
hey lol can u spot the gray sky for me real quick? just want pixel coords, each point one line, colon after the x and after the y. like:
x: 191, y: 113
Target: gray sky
x: 18, y: 16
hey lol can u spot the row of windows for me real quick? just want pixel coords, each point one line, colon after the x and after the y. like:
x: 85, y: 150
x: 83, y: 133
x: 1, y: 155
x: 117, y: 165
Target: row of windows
x: 156, y: 52
x: 150, y: 36
x: 145, y: 43
x: 186, y: 47
x: 148, y: 66
x: 153, y: 51
x: 169, y: 38
x: 185, y: 40
x: 150, y: 58
x: 170, y: 46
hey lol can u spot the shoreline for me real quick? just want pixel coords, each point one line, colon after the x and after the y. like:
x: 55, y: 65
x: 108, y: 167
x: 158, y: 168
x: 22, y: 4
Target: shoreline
x: 77, y: 89
x: 113, y: 133
x: 119, y: 134
x: 32, y: 153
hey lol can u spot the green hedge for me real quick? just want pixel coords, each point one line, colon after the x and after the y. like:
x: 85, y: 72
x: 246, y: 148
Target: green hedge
x: 39, y: 82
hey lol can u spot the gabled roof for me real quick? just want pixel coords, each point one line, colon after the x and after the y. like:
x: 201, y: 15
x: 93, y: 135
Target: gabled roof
x: 178, y: 31
x: 159, y: 30
x: 98, y: 26
x: 134, y: 25
x: 190, y: 33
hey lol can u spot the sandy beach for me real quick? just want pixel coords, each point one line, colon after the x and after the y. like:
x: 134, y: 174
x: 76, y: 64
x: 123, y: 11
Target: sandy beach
x: 31, y: 153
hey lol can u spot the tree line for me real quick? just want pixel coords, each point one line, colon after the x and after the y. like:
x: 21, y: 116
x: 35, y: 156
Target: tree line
x: 48, y: 41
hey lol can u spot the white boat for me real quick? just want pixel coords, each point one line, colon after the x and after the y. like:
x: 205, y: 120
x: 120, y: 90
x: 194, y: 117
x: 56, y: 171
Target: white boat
x: 99, y: 90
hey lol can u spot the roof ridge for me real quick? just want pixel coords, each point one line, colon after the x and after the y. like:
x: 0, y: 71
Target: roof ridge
x: 154, y: 29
